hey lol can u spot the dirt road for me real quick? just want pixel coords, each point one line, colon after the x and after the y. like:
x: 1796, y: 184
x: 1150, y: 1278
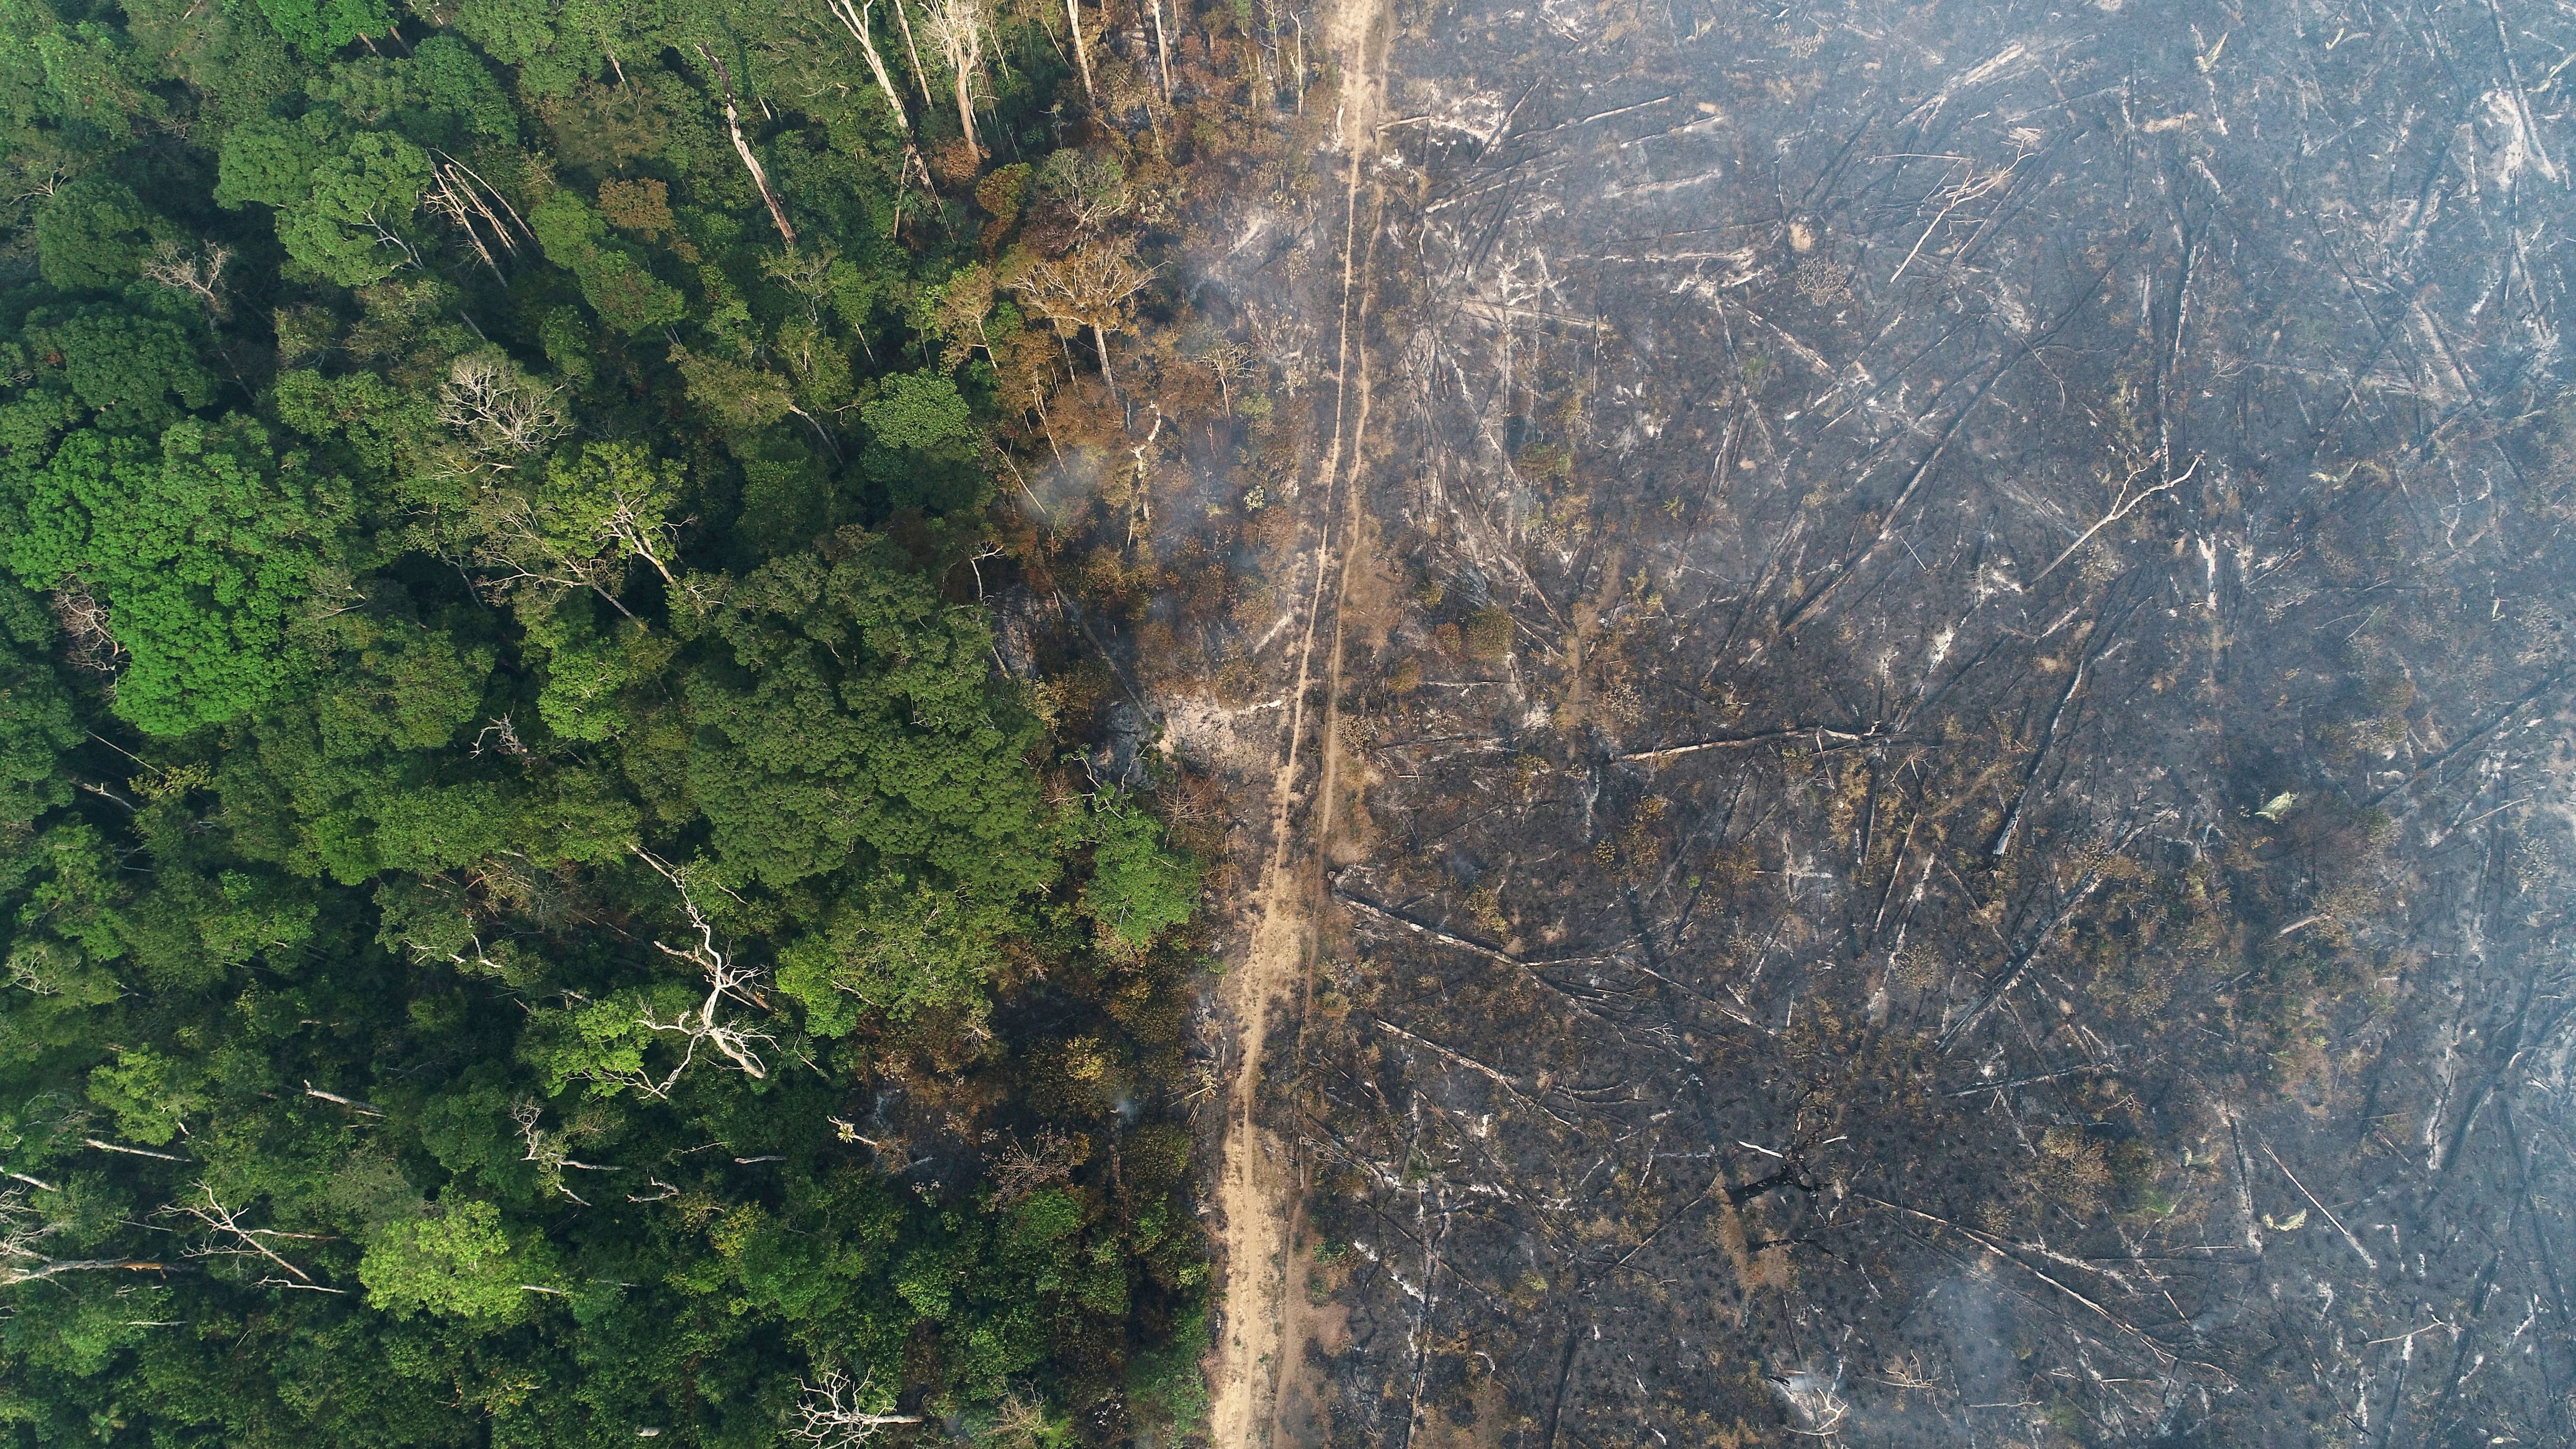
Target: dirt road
x: 1257, y: 1188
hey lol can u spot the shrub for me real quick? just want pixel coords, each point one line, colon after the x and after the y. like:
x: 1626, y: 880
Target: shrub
x: 1489, y: 634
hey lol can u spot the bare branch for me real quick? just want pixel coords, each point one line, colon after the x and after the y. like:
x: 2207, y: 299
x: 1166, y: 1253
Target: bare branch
x: 701, y: 1025
x: 833, y: 1413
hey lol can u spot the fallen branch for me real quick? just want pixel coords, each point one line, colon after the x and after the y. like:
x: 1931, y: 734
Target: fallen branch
x: 352, y: 1103
x: 2121, y: 507
x: 2011, y: 975
x: 2354, y: 1243
x: 1500, y: 1079
x: 2003, y: 1250
x: 1460, y: 943
x: 132, y: 1151
x: 1819, y: 733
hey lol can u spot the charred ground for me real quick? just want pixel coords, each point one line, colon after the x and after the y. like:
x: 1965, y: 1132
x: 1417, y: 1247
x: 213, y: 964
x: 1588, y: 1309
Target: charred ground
x: 1952, y: 814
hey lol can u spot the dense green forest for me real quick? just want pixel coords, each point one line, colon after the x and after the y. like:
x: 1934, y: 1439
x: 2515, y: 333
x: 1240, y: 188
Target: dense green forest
x: 505, y: 769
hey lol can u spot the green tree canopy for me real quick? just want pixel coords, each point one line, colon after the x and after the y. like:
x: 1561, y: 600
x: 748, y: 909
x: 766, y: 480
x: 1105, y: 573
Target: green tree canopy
x: 514, y: 842
x: 93, y: 233
x: 853, y: 709
x: 200, y: 549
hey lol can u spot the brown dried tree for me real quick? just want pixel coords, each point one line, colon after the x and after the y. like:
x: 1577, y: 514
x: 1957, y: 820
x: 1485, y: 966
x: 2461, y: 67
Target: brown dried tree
x: 1092, y: 286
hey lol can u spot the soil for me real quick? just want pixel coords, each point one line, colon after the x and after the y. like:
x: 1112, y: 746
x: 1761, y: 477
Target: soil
x: 1258, y: 1367
x: 1923, y: 782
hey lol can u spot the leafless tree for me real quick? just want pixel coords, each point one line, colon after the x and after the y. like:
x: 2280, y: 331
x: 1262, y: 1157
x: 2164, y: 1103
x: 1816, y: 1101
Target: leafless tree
x: 912, y: 48
x: 22, y: 1258
x: 552, y: 1151
x: 833, y: 1414
x: 856, y: 18
x: 1018, y: 1423
x: 701, y: 1026
x: 231, y: 1239
x: 198, y: 272
x: 1081, y: 55
x: 957, y: 28
x: 1021, y: 1168
x: 87, y: 643
x: 1162, y: 50
x: 460, y: 196
x: 499, y: 413
x: 1228, y: 360
x: 742, y: 148
x: 504, y: 736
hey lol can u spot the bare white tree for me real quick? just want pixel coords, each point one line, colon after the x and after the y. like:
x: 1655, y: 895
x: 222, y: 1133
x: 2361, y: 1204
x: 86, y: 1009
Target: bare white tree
x: 920, y: 76
x: 855, y: 17
x: 87, y: 643
x: 1228, y: 360
x: 551, y: 1151
x: 1162, y: 50
x: 1092, y: 286
x: 742, y: 148
x: 23, y: 1259
x: 702, y: 1026
x: 1081, y: 56
x: 833, y: 1414
x: 198, y: 272
x: 231, y: 1239
x: 499, y: 413
x: 957, y: 28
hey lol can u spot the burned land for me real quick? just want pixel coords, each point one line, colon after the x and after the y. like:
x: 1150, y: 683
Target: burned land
x: 1920, y: 684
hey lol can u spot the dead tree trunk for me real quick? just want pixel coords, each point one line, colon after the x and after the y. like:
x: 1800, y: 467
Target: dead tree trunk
x: 742, y: 148
x: 1081, y: 56
x: 920, y: 77
x: 1162, y: 52
x: 856, y: 18
x: 958, y: 30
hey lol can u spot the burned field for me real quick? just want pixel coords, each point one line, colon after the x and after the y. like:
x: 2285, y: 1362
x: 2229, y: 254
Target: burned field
x: 1951, y: 820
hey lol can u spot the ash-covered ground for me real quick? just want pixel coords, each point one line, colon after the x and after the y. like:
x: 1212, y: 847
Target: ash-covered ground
x: 1954, y: 809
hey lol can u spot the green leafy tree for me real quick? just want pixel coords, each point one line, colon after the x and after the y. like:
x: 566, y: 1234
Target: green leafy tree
x: 856, y: 710
x: 350, y: 226
x: 319, y: 27
x: 149, y: 1093
x: 456, y: 1261
x: 93, y: 233
x: 201, y: 551
x: 1138, y: 888
x: 344, y: 203
x: 441, y: 94
x: 38, y: 722
x: 614, y: 279
x: 918, y: 410
x: 138, y: 372
x: 445, y: 784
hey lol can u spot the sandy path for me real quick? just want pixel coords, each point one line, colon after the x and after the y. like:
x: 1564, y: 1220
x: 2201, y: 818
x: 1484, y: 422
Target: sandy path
x: 1257, y: 1190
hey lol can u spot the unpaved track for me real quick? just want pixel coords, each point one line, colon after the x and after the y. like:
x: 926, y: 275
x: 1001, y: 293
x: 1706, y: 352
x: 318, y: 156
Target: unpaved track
x: 1262, y: 1344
